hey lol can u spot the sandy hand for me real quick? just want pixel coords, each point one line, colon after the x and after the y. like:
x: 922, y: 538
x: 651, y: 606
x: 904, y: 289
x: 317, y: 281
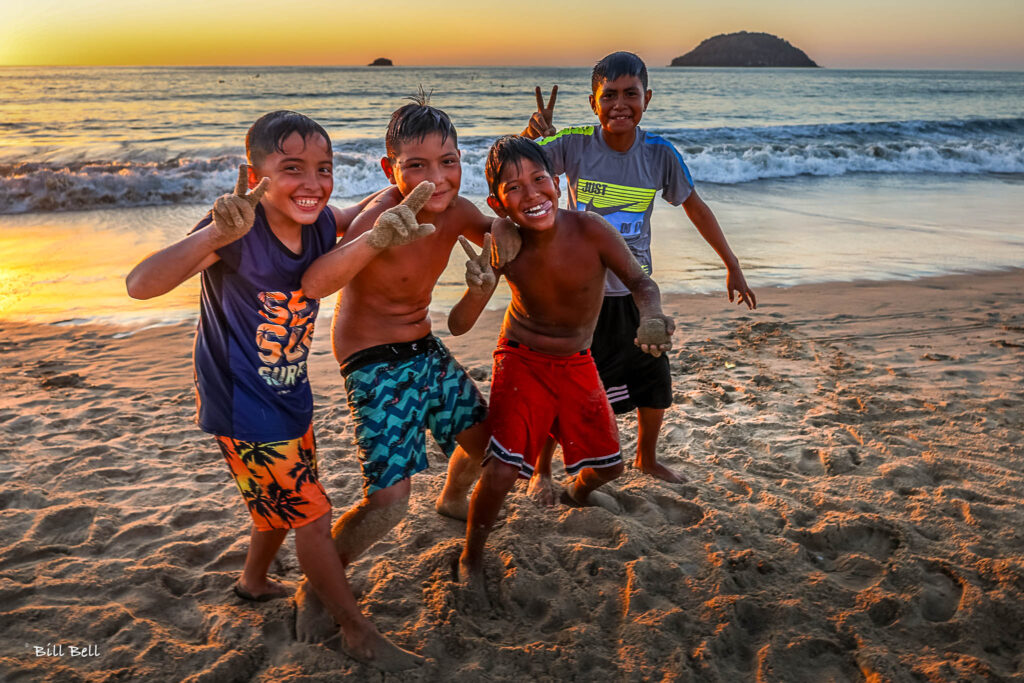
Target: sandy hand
x: 398, y: 225
x: 480, y: 277
x: 506, y: 243
x: 541, y: 125
x: 654, y: 336
x: 234, y: 214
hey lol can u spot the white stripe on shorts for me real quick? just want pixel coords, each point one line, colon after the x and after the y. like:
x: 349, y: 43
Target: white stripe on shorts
x: 619, y: 393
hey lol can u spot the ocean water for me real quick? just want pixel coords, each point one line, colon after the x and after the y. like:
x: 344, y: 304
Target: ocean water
x: 816, y: 175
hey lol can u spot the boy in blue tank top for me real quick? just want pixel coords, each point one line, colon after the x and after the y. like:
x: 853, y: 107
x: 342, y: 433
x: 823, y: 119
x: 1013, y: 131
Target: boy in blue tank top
x: 251, y: 349
x: 615, y: 170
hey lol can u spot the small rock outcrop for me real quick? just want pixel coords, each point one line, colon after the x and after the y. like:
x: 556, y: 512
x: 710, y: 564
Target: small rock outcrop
x: 744, y: 49
x: 381, y: 61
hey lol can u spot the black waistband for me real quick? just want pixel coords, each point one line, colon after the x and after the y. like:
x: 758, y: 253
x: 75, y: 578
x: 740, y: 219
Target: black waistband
x: 389, y: 353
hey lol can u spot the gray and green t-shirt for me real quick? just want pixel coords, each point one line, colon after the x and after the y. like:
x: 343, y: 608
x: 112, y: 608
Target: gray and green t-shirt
x: 620, y: 186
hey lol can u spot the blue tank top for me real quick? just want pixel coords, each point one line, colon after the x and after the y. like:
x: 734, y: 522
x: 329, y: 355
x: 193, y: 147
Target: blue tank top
x: 255, y: 328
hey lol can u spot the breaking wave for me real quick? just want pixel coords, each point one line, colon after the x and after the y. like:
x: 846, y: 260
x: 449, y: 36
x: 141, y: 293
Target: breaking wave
x: 137, y: 176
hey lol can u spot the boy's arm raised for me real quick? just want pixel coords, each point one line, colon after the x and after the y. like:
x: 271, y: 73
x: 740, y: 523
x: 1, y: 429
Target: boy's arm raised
x: 481, y: 280
x: 704, y: 220
x: 233, y: 216
x: 394, y: 227
x: 654, y: 335
x: 344, y: 217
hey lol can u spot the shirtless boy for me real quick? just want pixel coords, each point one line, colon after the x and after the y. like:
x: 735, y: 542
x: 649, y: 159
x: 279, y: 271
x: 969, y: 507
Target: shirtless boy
x: 545, y: 381
x: 399, y: 378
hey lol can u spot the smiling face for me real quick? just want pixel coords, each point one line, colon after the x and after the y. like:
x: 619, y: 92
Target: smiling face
x: 620, y: 104
x: 301, y: 176
x: 526, y: 194
x: 430, y: 159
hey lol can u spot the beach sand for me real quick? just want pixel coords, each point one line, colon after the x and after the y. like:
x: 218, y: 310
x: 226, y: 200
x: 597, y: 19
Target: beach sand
x: 854, y: 511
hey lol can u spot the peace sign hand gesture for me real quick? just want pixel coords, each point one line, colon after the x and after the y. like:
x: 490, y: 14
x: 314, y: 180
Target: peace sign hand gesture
x: 480, y: 277
x: 398, y: 225
x: 234, y: 214
x: 541, y: 125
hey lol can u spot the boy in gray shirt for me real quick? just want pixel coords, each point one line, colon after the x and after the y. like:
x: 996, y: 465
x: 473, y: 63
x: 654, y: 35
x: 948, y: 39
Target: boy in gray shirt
x: 615, y: 170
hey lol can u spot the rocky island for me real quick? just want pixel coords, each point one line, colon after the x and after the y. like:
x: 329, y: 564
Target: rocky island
x: 381, y: 61
x: 744, y: 49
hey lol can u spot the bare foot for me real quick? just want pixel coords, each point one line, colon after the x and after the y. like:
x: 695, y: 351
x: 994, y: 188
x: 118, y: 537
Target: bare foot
x: 472, y: 581
x: 659, y: 471
x: 457, y: 508
x: 363, y: 642
x: 594, y: 499
x: 313, y: 623
x: 269, y: 590
x: 542, y: 490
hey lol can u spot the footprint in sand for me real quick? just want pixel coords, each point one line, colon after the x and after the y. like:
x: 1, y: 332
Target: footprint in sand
x: 808, y: 461
x: 884, y: 611
x: 66, y: 526
x: 738, y: 486
x: 681, y: 512
x: 805, y: 659
x: 853, y: 554
x: 940, y: 595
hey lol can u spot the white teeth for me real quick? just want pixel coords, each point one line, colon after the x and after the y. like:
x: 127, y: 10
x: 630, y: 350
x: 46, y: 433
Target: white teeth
x: 306, y: 203
x: 538, y: 210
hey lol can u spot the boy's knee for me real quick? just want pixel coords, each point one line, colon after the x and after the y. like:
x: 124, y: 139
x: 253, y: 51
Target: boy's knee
x: 396, y: 494
x: 499, y: 477
x: 321, y: 526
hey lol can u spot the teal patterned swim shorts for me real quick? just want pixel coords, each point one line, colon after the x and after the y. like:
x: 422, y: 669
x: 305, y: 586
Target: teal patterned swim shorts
x: 395, y: 393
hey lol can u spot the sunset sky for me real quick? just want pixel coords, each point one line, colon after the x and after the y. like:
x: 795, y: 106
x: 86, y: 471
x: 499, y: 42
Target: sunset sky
x: 981, y: 34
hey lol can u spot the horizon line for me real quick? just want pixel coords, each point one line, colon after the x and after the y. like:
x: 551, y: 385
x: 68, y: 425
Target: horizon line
x: 501, y: 66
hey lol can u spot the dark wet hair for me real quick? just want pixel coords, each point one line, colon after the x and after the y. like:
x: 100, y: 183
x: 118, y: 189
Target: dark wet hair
x: 618, y: 64
x: 416, y: 121
x: 270, y: 131
x: 512, y: 149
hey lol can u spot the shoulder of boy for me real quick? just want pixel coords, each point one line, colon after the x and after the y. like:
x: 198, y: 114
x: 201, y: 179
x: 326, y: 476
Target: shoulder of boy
x: 596, y: 221
x: 567, y: 133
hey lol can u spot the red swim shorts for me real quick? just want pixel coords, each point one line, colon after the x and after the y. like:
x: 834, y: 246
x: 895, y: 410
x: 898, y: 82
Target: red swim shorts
x: 534, y: 395
x: 278, y: 480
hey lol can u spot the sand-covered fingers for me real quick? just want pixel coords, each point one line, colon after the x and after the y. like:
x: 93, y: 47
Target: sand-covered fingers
x: 234, y: 214
x: 654, y: 336
x: 542, y: 490
x: 398, y: 225
x: 505, y: 244
x: 541, y: 121
x: 480, y: 277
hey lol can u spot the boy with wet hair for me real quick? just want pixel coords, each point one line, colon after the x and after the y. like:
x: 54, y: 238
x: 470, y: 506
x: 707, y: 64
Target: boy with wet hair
x: 252, y: 344
x: 615, y: 169
x: 545, y: 381
x: 399, y: 378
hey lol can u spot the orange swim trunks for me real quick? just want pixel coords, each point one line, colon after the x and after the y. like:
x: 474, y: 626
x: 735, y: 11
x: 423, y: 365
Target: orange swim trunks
x: 278, y: 480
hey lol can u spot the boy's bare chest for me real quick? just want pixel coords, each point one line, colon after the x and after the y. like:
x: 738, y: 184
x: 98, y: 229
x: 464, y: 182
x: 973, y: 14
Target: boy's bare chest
x: 566, y: 269
x: 409, y: 268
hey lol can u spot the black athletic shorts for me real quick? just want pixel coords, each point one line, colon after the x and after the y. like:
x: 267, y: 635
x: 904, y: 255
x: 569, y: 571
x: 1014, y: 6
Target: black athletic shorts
x: 631, y: 378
